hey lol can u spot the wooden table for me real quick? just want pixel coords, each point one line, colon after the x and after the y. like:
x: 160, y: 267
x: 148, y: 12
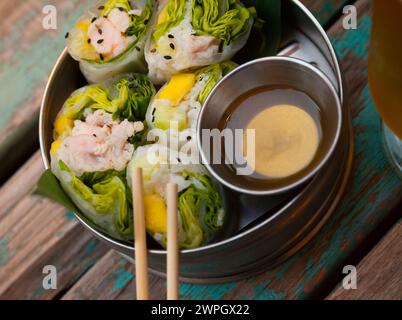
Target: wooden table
x: 365, y: 231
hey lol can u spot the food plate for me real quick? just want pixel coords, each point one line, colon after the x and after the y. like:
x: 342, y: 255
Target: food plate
x: 265, y: 230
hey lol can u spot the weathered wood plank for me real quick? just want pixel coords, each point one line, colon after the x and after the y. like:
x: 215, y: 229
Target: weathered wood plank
x: 72, y: 255
x: 13, y: 190
x: 35, y: 232
x: 112, y: 278
x: 379, y: 274
x: 27, y: 54
x: 373, y: 191
x: 324, y: 10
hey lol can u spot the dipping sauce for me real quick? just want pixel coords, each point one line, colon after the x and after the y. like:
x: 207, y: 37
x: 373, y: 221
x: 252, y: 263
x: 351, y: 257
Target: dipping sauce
x: 287, y: 130
x: 286, y: 140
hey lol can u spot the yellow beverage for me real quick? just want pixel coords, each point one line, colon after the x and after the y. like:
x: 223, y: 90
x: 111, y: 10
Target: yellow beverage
x: 385, y: 62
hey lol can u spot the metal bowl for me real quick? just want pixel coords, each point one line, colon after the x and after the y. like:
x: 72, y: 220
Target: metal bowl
x: 269, y: 72
x: 271, y: 228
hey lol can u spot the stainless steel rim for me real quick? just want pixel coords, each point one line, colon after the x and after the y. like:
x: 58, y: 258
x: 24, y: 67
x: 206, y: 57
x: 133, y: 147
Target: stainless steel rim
x: 300, y: 182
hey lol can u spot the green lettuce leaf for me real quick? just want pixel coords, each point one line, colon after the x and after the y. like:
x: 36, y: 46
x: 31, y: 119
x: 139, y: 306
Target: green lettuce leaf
x: 49, y: 187
x: 137, y: 27
x: 201, y: 211
x: 226, y: 20
x: 175, y: 11
x: 214, y: 73
x: 105, y: 192
x: 190, y: 226
x: 139, y: 93
x: 126, y: 98
x: 111, y: 4
x: 92, y: 96
x: 138, y: 24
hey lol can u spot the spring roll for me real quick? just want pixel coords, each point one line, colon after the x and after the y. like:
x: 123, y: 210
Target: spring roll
x: 195, y: 33
x: 176, y: 106
x: 95, y: 135
x: 201, y: 215
x: 109, y: 39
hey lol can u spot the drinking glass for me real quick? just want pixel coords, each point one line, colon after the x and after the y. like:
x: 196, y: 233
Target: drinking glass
x: 385, y: 73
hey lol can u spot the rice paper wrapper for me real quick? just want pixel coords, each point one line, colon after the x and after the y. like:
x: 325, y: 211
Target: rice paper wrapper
x: 201, y: 213
x: 110, y: 220
x: 98, y: 69
x: 179, y: 45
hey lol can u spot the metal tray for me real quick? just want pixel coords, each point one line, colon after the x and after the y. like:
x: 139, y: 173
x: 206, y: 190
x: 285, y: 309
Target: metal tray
x: 268, y: 230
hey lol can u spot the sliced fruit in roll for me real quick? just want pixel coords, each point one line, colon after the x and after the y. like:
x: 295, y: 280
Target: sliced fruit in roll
x: 177, y: 104
x: 195, y: 33
x: 95, y: 134
x: 109, y: 39
x: 200, y: 207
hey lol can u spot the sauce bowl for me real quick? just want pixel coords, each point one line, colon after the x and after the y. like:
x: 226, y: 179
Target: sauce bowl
x: 269, y: 72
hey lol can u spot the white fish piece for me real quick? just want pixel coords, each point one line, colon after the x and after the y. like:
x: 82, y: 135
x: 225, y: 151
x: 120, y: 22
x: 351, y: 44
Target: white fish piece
x: 99, y: 144
x: 119, y: 19
x: 106, y: 37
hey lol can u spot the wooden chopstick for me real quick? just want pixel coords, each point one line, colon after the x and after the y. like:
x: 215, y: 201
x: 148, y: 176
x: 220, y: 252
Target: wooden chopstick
x: 172, y: 243
x: 141, y: 259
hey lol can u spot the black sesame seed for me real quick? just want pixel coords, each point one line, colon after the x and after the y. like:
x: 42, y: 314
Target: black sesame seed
x: 120, y: 8
x: 167, y: 57
x: 171, y: 36
x: 153, y: 111
x: 67, y: 34
x: 189, y: 138
x: 100, y: 41
x: 93, y: 19
x: 178, y: 159
x: 89, y: 40
x: 100, y: 31
x: 105, y: 17
x: 101, y: 8
x: 101, y: 57
x: 153, y: 119
x: 94, y: 135
x: 172, y: 46
x: 138, y: 49
x: 193, y: 34
x: 146, y: 21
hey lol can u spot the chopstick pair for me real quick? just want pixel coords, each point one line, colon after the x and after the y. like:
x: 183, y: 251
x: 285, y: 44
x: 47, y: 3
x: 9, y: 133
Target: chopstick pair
x: 141, y: 260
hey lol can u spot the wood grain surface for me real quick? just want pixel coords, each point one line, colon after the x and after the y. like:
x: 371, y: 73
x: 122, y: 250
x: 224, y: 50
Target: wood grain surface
x: 28, y: 52
x: 35, y: 232
x: 379, y: 274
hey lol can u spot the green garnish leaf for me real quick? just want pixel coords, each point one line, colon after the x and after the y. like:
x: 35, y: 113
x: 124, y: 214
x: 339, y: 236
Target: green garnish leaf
x: 265, y: 35
x: 49, y: 187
